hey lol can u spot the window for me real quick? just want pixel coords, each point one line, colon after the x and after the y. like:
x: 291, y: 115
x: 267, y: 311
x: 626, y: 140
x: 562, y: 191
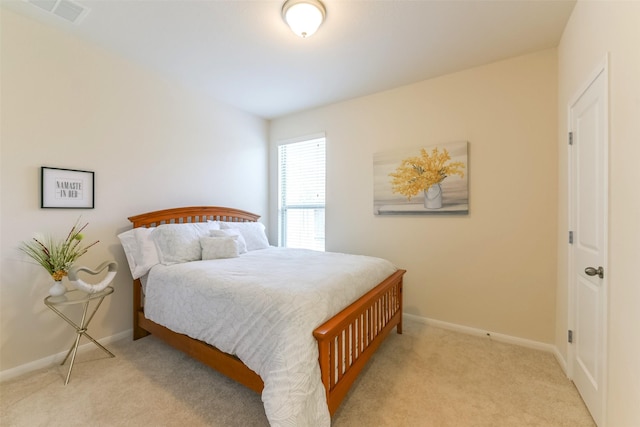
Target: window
x: 301, y: 194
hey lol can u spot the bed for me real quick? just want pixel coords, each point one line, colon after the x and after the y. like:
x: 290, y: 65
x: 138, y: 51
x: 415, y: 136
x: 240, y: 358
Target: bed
x: 345, y: 342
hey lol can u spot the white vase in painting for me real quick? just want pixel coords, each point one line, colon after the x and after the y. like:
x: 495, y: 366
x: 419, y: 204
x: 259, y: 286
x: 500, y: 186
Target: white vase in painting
x: 433, y: 197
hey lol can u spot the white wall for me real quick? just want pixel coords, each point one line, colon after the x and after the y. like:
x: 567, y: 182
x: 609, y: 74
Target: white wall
x: 151, y: 144
x: 594, y: 31
x: 494, y: 269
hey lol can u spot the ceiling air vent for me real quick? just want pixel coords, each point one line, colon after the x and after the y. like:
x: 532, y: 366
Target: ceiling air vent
x: 65, y: 9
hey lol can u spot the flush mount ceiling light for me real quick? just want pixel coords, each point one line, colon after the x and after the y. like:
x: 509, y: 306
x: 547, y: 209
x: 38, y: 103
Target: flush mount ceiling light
x: 303, y: 16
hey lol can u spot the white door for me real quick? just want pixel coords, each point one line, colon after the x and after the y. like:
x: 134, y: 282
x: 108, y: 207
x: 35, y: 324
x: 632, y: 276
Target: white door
x: 588, y: 219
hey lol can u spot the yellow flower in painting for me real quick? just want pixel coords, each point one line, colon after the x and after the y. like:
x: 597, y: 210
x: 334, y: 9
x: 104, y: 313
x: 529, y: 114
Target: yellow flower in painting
x: 417, y: 174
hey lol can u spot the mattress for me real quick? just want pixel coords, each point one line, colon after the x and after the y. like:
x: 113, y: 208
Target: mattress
x: 263, y: 307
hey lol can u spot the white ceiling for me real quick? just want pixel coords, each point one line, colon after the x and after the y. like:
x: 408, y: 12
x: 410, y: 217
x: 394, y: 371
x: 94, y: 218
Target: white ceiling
x: 242, y: 53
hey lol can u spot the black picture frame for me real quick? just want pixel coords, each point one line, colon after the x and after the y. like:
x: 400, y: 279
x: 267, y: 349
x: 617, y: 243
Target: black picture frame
x: 66, y: 188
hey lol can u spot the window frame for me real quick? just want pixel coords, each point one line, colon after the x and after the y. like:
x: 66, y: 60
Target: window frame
x: 279, y: 214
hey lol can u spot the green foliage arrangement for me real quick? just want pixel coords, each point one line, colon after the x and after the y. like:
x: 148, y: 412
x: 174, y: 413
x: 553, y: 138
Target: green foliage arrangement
x: 57, y: 257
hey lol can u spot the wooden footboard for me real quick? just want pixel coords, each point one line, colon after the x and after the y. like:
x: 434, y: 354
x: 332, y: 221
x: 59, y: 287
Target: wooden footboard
x: 348, y: 340
x: 345, y: 342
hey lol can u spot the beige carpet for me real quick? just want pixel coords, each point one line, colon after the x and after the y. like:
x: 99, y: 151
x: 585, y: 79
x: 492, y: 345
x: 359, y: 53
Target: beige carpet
x: 425, y: 377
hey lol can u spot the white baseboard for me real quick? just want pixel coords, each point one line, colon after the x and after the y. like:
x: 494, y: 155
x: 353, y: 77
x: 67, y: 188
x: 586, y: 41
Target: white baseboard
x: 550, y: 348
x: 561, y: 361
x: 57, y: 358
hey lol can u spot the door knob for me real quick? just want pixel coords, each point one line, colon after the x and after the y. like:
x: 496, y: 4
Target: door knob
x: 590, y: 271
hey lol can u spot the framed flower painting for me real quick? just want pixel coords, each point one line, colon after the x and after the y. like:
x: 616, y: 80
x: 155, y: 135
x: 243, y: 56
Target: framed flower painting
x: 427, y: 180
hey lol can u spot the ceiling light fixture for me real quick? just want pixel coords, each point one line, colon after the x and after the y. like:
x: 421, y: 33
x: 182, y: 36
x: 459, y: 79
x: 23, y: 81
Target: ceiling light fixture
x: 303, y: 16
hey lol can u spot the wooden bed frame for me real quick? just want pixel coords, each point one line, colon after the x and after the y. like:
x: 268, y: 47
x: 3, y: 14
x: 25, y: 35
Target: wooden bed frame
x: 345, y: 342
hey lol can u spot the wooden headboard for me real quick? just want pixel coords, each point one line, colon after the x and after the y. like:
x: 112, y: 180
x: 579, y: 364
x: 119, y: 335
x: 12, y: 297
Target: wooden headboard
x: 192, y: 214
x: 178, y: 216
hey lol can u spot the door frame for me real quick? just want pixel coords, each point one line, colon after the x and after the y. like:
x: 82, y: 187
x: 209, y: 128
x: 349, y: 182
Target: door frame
x: 601, y: 68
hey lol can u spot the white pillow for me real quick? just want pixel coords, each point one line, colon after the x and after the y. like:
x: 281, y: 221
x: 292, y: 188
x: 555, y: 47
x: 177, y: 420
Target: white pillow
x: 148, y: 254
x: 253, y: 233
x: 178, y: 243
x: 219, y: 247
x: 128, y: 241
x: 242, y: 244
x: 140, y: 250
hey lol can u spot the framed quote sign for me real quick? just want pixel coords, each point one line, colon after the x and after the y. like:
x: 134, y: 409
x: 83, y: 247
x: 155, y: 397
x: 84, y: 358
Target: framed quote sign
x: 66, y: 188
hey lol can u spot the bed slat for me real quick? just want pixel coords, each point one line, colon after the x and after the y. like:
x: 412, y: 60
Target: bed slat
x: 383, y: 312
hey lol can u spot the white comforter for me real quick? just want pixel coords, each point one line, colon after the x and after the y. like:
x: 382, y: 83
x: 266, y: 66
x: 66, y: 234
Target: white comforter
x: 263, y: 307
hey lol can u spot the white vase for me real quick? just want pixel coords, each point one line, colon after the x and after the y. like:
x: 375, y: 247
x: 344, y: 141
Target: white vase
x: 57, y: 289
x: 433, y: 197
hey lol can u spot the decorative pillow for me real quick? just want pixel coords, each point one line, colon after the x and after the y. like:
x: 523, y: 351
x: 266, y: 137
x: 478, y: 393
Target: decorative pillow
x: 178, y: 243
x: 140, y: 250
x: 253, y: 233
x: 242, y: 245
x: 219, y: 247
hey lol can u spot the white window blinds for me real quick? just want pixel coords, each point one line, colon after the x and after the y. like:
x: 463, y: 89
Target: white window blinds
x: 301, y: 168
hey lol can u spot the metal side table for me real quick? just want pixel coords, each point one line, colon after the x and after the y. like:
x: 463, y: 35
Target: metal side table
x: 72, y: 298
